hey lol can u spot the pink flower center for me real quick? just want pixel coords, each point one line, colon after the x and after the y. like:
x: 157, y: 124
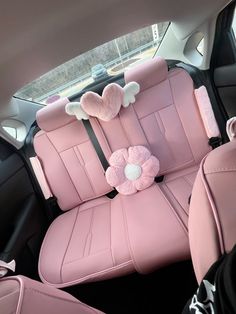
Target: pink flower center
x: 132, y: 171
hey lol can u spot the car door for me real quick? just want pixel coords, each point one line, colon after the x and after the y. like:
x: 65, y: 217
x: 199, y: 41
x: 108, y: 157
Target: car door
x: 223, y: 63
x: 23, y: 219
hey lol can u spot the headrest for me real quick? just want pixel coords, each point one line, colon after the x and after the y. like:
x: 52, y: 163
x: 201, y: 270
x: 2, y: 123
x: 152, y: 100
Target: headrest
x: 148, y: 74
x: 53, y: 115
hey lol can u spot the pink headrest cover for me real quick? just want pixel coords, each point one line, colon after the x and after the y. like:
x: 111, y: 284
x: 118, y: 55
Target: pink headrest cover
x: 148, y: 74
x: 53, y: 115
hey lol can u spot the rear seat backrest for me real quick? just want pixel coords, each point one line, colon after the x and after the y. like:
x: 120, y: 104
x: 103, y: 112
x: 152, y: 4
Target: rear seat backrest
x: 69, y: 161
x: 165, y: 117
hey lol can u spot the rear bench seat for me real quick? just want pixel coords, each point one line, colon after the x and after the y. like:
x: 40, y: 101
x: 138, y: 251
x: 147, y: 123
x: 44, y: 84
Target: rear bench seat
x: 97, y: 237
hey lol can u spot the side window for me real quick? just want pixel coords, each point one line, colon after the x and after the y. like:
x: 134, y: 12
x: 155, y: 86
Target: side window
x: 234, y: 24
x: 98, y: 64
x: 200, y: 46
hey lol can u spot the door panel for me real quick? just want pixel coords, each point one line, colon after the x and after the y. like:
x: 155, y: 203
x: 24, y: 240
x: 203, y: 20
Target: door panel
x: 223, y: 63
x: 23, y: 221
x: 225, y: 81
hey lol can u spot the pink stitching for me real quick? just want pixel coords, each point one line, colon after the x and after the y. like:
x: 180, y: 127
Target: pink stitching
x: 213, y: 207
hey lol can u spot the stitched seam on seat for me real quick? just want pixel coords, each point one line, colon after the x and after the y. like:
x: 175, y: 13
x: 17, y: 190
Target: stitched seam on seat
x: 96, y: 121
x: 213, y: 207
x: 9, y: 294
x: 78, y: 155
x: 179, y: 167
x: 138, y: 269
x: 112, y: 256
x: 130, y: 262
x: 171, y: 167
x: 185, y: 133
x: 105, y: 202
x: 164, y: 135
x: 154, y: 111
x: 162, y: 127
x: 65, y: 167
x: 177, y: 177
x: 84, y: 257
x: 44, y: 241
x: 219, y: 170
x: 85, y: 169
x: 173, y: 210
x: 124, y: 129
x: 145, y: 135
x: 170, y: 191
x: 62, y: 263
x: 89, y: 232
x: 61, y: 126
x: 188, y: 181
x: 75, y: 145
x: 182, y: 124
x: 52, y: 296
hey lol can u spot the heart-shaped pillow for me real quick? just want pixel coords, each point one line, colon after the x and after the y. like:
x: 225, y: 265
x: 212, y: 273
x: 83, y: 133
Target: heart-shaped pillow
x: 104, y: 107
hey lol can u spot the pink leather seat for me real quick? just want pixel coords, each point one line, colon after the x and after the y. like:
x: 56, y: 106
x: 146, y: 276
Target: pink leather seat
x: 212, y: 217
x: 100, y: 238
x: 21, y: 295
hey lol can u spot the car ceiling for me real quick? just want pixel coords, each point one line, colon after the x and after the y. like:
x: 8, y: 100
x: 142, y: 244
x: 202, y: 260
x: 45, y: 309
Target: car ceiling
x: 36, y: 36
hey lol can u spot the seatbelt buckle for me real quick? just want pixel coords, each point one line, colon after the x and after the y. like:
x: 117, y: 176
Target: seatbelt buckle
x: 5, y: 267
x: 215, y: 142
x: 52, y: 201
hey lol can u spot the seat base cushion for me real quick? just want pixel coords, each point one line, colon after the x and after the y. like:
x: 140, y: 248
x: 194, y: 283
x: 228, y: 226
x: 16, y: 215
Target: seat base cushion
x: 156, y: 234
x: 84, y: 244
x: 106, y: 238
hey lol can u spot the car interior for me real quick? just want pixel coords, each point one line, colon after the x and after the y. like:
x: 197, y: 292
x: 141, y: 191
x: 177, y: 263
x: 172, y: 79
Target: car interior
x: 117, y: 153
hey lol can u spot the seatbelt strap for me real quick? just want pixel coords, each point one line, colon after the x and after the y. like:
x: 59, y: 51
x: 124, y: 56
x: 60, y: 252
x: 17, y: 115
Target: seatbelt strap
x: 201, y: 78
x: 39, y: 174
x: 50, y: 200
x: 209, y: 116
x: 99, y: 151
x: 96, y: 144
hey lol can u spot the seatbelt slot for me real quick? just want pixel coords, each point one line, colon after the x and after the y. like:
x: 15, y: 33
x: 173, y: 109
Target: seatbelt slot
x: 159, y: 179
x: 215, y: 142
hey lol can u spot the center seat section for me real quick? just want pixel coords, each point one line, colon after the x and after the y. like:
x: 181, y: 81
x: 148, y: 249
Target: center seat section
x: 97, y: 237
x: 164, y: 118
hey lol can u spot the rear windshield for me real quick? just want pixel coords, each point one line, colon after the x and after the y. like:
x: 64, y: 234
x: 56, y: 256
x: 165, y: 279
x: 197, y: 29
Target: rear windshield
x: 109, y: 59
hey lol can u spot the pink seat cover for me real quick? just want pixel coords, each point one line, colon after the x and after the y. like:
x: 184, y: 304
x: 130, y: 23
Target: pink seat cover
x: 104, y: 238
x: 107, y: 238
x: 71, y: 165
x: 165, y: 118
x: 212, y: 216
x: 21, y: 295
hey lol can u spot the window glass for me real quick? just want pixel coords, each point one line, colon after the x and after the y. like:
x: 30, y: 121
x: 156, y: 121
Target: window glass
x: 200, y: 46
x: 234, y: 23
x: 97, y: 64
